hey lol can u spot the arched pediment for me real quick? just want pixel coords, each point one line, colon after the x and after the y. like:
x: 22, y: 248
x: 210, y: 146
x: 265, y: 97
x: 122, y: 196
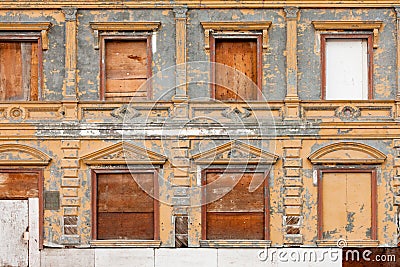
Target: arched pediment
x: 347, y: 153
x: 22, y: 155
x: 235, y: 152
x: 123, y: 153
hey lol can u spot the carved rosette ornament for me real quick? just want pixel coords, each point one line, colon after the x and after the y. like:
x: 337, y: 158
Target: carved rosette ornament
x: 125, y: 112
x: 16, y: 113
x: 348, y: 112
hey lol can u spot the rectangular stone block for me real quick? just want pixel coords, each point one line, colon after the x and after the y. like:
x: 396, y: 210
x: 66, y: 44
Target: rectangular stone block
x: 396, y: 143
x: 292, y: 201
x: 70, y: 182
x: 193, y: 257
x: 293, y: 210
x: 293, y: 191
x: 181, y: 181
x: 292, y: 144
x: 71, y: 144
x: 70, y: 153
x: 69, y: 163
x: 67, y: 257
x: 124, y: 257
x: 179, y: 153
x: 180, y: 162
x: 292, y: 162
x: 70, y: 211
x: 396, y: 162
x: 293, y: 239
x: 292, y: 172
x: 289, y: 182
x: 181, y: 201
x: 181, y: 172
x: 292, y: 153
x: 239, y: 257
x: 69, y: 192
x: 70, y: 172
x: 70, y: 201
x: 396, y: 200
x: 396, y: 181
x: 181, y: 144
x: 180, y: 191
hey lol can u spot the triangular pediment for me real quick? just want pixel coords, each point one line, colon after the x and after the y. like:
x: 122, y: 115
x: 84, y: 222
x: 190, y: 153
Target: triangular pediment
x: 123, y: 153
x: 235, y: 152
x: 347, y: 153
x: 22, y: 155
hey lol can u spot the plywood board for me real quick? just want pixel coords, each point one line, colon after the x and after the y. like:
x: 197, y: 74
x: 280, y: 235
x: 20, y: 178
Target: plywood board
x: 238, y: 80
x: 14, y: 185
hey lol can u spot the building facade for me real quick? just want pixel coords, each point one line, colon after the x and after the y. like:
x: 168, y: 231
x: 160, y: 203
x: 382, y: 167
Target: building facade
x: 133, y: 129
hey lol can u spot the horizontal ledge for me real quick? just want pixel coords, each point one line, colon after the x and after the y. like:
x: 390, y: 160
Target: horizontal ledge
x: 126, y: 26
x: 236, y: 25
x: 235, y: 243
x: 123, y: 162
x: 23, y: 163
x: 24, y: 26
x: 126, y: 243
x: 348, y: 243
x: 346, y: 25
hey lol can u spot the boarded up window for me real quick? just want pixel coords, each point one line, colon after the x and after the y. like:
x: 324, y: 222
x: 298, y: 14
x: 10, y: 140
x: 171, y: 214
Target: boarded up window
x: 239, y: 80
x: 347, y: 72
x: 18, y: 185
x: 239, y: 214
x: 124, y: 210
x: 19, y: 71
x: 347, y: 205
x: 126, y: 69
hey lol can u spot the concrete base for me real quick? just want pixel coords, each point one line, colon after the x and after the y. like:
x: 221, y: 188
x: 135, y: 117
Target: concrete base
x: 194, y: 257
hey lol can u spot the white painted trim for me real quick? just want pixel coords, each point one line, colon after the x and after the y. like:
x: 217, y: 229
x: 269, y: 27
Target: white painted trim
x: 34, y: 254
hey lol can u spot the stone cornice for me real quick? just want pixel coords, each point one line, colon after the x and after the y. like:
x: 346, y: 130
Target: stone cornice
x: 100, y: 4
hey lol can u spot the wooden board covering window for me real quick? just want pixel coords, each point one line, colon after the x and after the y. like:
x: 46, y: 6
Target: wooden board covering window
x: 19, y: 71
x: 124, y: 210
x: 239, y: 214
x: 18, y: 185
x: 240, y: 55
x: 347, y: 205
x: 126, y: 69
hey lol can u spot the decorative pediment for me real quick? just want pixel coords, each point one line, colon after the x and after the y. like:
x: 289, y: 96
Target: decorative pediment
x: 123, y: 153
x: 21, y: 155
x: 347, y: 153
x: 235, y: 152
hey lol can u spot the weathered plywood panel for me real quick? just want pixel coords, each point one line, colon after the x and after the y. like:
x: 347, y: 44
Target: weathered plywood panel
x: 238, y: 198
x: 347, y: 210
x: 334, y: 205
x: 15, y: 185
x: 124, y: 210
x: 19, y: 71
x: 13, y: 224
x: 119, y: 225
x: 121, y: 193
x: 240, y: 55
x: 358, y: 206
x: 126, y: 67
x: 235, y: 225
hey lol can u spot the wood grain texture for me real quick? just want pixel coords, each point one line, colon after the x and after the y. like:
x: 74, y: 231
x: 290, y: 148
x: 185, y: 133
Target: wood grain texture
x: 237, y: 213
x: 237, y: 81
x: 14, y: 185
x: 124, y: 210
x: 19, y: 71
x: 126, y: 69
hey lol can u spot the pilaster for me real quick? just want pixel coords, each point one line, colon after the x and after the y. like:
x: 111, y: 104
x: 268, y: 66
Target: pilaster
x: 292, y: 199
x: 70, y: 184
x: 69, y: 89
x: 292, y: 103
